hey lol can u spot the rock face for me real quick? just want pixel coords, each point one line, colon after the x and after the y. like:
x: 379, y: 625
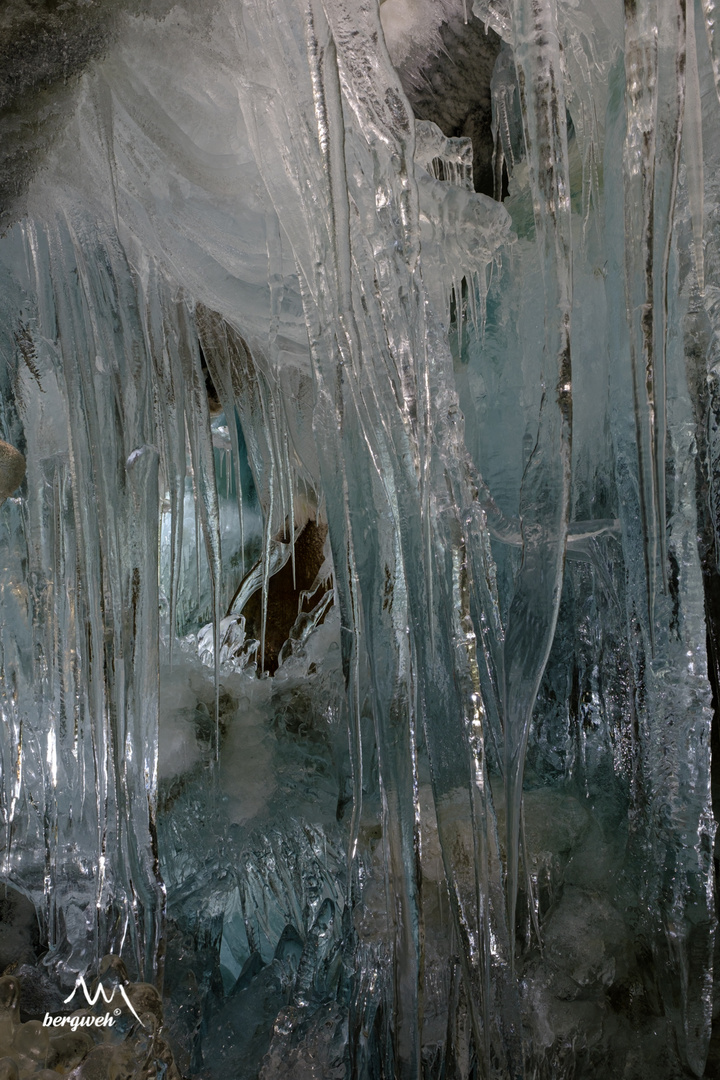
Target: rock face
x: 445, y: 59
x: 285, y: 594
x: 44, y: 49
x: 12, y: 470
x: 19, y: 932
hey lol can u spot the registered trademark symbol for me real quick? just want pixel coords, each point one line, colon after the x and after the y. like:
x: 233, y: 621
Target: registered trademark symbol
x: 117, y: 1012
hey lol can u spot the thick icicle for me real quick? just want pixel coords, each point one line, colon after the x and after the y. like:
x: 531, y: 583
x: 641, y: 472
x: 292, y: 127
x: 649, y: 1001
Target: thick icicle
x: 545, y: 493
x: 394, y: 705
x: 693, y: 144
x: 374, y: 381
x: 197, y: 420
x: 655, y: 69
x: 171, y: 404
x: 670, y: 105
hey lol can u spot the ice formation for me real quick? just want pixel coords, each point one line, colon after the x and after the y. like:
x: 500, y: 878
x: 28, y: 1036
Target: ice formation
x: 360, y: 593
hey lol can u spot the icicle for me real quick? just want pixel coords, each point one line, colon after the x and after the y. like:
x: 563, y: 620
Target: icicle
x: 710, y: 11
x: 394, y: 720
x: 170, y: 403
x: 71, y: 325
x: 693, y: 145
x: 580, y: 55
x: 219, y: 353
x: 457, y: 292
x: 12, y: 772
x: 639, y: 161
x: 113, y: 526
x: 472, y: 299
x: 266, y: 563
x: 545, y: 492
x: 142, y: 469
x: 291, y: 498
x: 278, y: 475
x: 375, y: 381
x: 197, y: 546
x: 655, y: 90
x: 503, y: 86
x: 197, y: 418
x: 671, y: 84
x: 104, y: 110
x: 497, y: 994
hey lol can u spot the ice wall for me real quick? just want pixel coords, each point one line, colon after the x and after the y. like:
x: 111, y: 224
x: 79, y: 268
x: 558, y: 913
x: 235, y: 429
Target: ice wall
x: 505, y: 414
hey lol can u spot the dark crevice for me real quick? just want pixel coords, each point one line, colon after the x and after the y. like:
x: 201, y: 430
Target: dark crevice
x: 452, y: 89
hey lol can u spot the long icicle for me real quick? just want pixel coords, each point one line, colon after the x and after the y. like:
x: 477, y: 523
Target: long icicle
x: 641, y: 74
x: 693, y: 144
x: 171, y: 406
x: 203, y: 463
x: 545, y: 492
x: 393, y: 718
x: 670, y: 98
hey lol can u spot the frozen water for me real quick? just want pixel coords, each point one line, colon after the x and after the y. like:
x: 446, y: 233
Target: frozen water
x: 359, y: 584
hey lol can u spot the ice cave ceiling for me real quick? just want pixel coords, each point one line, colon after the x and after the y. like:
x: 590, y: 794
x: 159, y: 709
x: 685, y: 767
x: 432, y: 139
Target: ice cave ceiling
x: 359, y: 590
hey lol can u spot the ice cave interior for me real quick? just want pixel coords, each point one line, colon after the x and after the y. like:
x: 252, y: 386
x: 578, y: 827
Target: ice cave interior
x: 360, y: 532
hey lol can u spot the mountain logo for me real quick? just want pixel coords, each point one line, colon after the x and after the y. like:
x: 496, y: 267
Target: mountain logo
x: 101, y: 992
